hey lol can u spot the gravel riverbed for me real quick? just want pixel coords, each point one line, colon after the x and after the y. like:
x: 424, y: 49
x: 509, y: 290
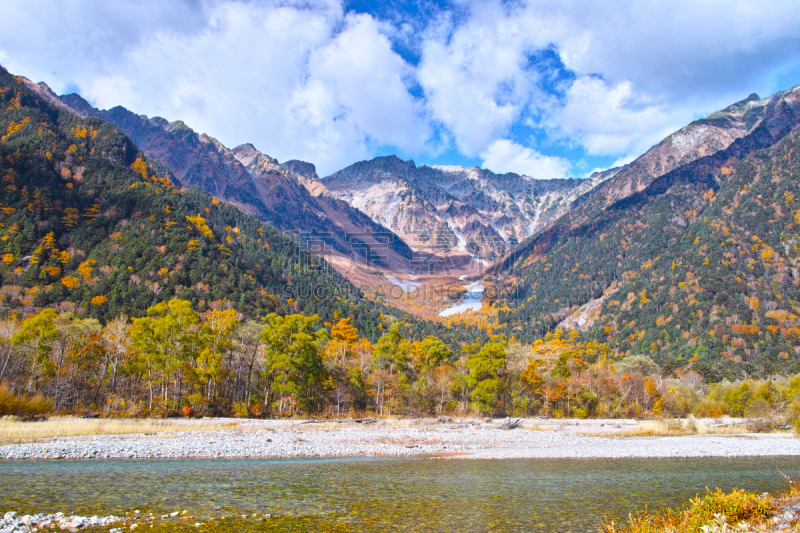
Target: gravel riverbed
x: 471, y: 438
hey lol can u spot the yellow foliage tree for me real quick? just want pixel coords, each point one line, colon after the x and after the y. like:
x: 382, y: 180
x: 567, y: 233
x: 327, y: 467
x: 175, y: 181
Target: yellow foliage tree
x: 14, y: 127
x: 99, y: 300
x: 200, y: 223
x: 344, y: 331
x: 140, y: 166
x: 49, y: 241
x: 70, y: 282
x: 85, y: 269
x: 92, y: 212
x: 70, y: 217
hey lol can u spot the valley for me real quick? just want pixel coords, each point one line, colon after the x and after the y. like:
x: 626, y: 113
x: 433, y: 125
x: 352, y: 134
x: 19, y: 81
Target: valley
x: 369, y: 220
x: 418, y: 289
x: 337, y: 266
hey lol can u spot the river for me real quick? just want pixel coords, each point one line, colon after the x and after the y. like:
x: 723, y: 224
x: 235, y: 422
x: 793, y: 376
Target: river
x: 472, y: 300
x: 376, y: 494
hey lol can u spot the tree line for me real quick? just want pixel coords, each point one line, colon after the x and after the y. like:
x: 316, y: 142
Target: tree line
x: 176, y: 361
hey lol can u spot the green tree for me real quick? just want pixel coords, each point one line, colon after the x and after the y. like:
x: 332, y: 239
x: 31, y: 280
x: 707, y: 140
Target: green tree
x: 486, y: 377
x: 433, y: 352
x: 294, y: 370
x: 36, y: 336
x: 216, y: 340
x: 165, y: 339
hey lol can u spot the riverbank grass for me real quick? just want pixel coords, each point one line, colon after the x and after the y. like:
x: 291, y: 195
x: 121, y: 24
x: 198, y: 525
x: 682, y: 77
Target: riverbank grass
x: 689, y: 426
x: 714, y: 512
x: 14, y: 431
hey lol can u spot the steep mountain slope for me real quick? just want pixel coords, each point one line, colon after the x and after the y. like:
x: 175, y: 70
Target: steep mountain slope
x: 255, y: 183
x: 455, y: 209
x: 699, y: 139
x: 700, y: 268
x: 86, y: 224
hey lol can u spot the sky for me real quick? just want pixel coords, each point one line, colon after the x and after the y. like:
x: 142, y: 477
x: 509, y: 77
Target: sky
x: 545, y: 88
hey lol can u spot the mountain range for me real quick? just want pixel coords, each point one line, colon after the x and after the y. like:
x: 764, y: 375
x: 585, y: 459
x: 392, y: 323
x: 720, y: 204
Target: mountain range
x: 451, y: 208
x: 89, y: 225
x: 690, y: 254
x: 437, y: 210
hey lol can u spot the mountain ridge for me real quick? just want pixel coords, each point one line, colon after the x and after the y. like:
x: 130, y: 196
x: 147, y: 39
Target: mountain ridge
x: 699, y: 269
x: 89, y: 227
x: 260, y: 187
x: 449, y: 208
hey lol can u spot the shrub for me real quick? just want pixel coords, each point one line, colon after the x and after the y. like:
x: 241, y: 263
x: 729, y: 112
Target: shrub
x: 240, y: 410
x: 794, y: 415
x: 709, y: 408
x: 11, y: 404
x: 758, y: 408
x: 709, y: 510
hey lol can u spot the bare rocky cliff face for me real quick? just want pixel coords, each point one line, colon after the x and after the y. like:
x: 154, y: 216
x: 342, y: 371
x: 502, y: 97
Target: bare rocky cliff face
x: 455, y: 209
x: 255, y: 183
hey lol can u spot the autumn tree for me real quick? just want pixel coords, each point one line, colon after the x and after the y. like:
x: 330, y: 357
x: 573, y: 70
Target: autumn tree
x: 216, y: 341
x: 293, y: 364
x: 116, y: 335
x: 165, y: 340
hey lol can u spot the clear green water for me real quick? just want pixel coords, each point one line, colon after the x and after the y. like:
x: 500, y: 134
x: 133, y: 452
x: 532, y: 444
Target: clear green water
x: 370, y: 495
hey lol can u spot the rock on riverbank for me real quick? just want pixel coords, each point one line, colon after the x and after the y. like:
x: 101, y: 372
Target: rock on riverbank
x: 13, y: 523
x: 466, y: 438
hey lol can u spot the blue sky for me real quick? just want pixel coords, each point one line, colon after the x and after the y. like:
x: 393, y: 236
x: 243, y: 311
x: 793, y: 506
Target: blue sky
x: 548, y: 88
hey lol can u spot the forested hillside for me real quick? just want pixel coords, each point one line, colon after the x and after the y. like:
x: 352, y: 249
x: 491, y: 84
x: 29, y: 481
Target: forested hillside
x: 88, y: 225
x: 699, y: 269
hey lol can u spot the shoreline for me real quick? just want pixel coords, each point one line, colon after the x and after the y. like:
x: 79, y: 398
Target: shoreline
x: 457, y: 439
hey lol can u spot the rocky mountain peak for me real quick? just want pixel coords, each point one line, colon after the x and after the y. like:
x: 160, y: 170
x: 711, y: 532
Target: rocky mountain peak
x: 77, y: 103
x: 257, y: 163
x: 375, y: 170
x: 752, y: 98
x: 302, y: 168
x: 161, y: 122
x: 306, y: 174
x: 180, y: 126
x: 472, y: 210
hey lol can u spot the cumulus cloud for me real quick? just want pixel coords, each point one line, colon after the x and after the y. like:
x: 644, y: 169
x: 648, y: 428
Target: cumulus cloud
x: 639, y: 69
x: 304, y: 81
x: 609, y: 120
x: 506, y: 156
x: 476, y: 79
x: 314, y: 80
x: 368, y: 83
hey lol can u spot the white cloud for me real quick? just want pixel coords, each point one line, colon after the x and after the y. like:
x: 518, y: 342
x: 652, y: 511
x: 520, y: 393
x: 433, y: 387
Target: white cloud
x: 367, y: 81
x: 475, y: 79
x: 642, y: 69
x: 506, y: 156
x: 307, y: 79
x: 609, y: 120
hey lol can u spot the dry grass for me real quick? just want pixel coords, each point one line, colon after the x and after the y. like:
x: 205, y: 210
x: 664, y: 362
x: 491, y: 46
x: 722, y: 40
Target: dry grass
x: 13, y: 430
x: 675, y: 427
